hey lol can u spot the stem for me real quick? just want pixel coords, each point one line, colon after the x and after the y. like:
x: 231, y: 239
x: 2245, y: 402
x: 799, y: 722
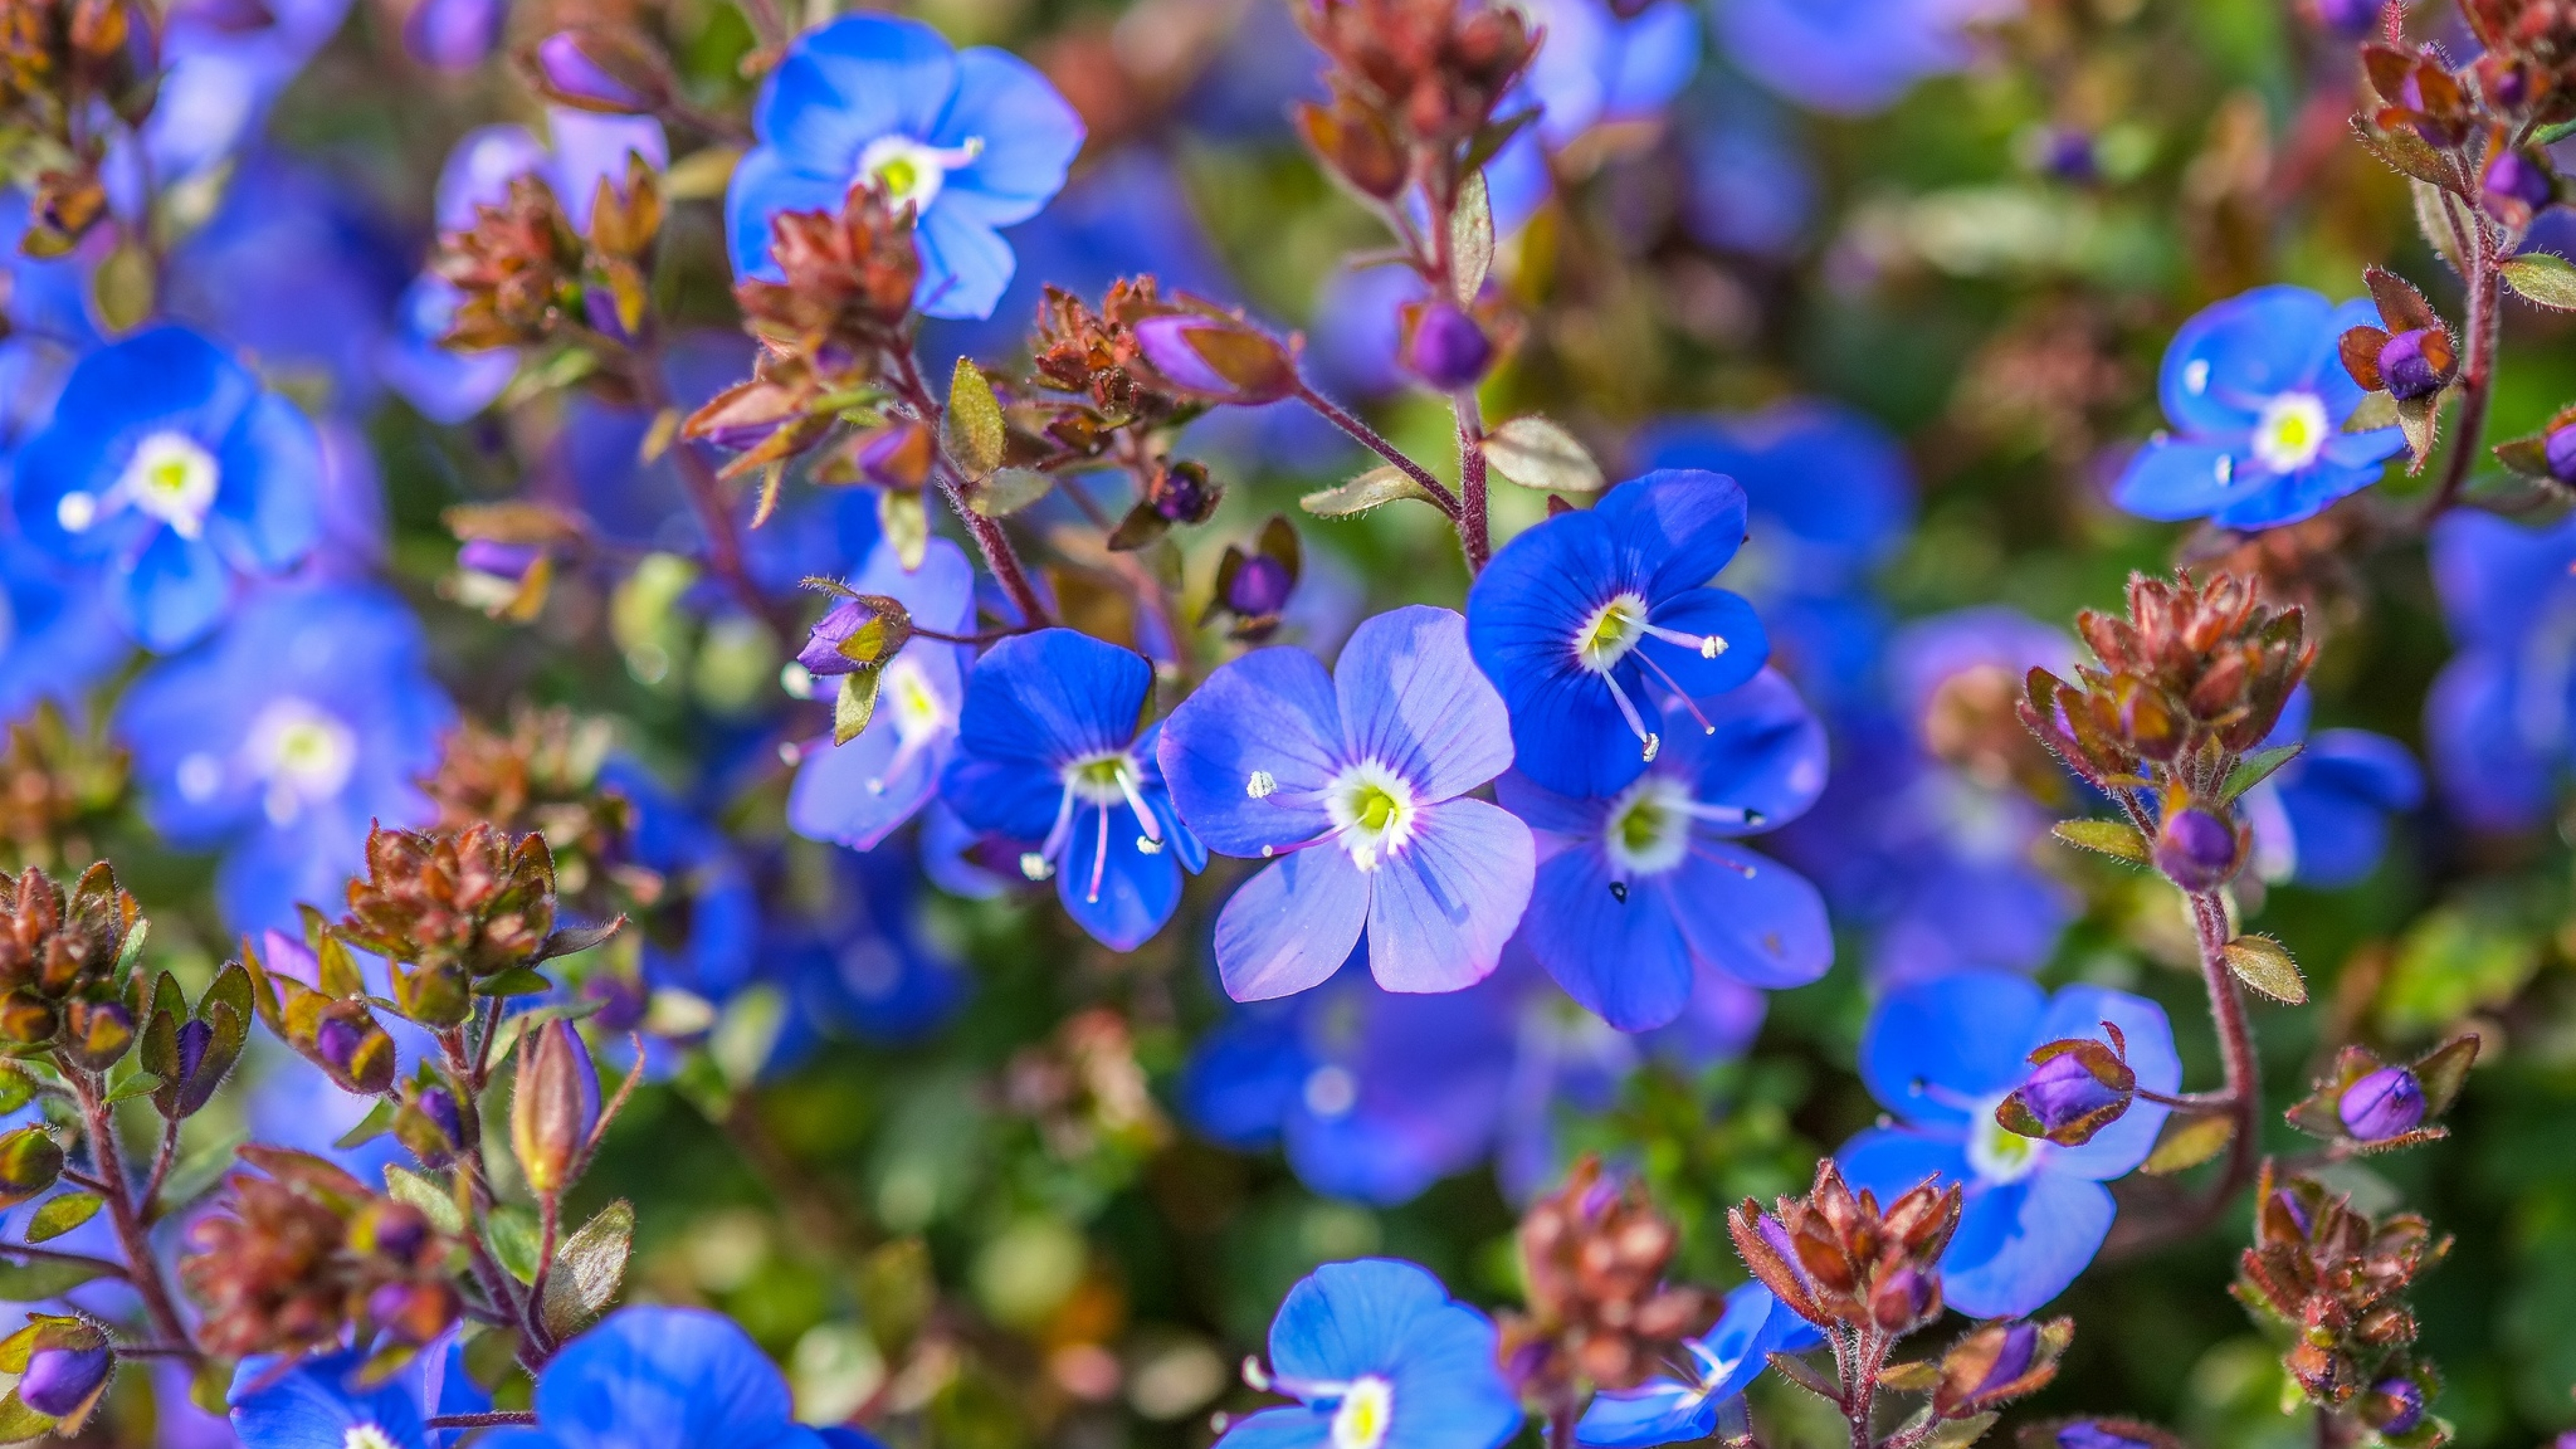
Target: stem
x: 167, y: 1153
x: 1371, y: 439
x: 143, y: 1270
x: 1560, y: 1424
x: 2236, y: 1045
x: 2484, y: 318
x: 1860, y: 1389
x: 1475, y: 534
x: 495, y: 1419
x: 1000, y: 558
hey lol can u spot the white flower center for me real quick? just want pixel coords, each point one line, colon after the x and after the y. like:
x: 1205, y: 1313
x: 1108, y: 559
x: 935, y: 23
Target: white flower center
x: 1105, y: 780
x: 171, y: 478
x: 1647, y: 830
x: 1373, y: 812
x: 908, y: 170
x: 2291, y: 431
x: 1611, y: 632
x: 915, y: 712
x: 366, y: 1436
x: 1367, y: 1411
x: 304, y: 753
x: 1998, y: 1156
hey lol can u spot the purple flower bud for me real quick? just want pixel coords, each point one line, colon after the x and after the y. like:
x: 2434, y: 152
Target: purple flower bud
x: 503, y: 560
x: 2061, y: 1092
x: 1217, y: 358
x: 822, y: 654
x: 194, y: 1038
x: 2196, y: 849
x: 2349, y: 17
x: 452, y: 35
x: 1903, y: 1298
x: 231, y: 17
x: 2395, y: 1405
x: 339, y: 1039
x: 554, y: 1106
x: 2560, y: 449
x: 59, y: 1380
x: 2387, y: 1103
x: 1184, y: 495
x: 1259, y: 587
x: 2068, y: 155
x: 388, y: 1302
x: 2021, y: 1344
x: 2409, y: 370
x: 439, y: 1105
x: 572, y: 75
x: 2515, y: 177
x: 286, y: 956
x: 1446, y: 348
x: 2086, y: 1434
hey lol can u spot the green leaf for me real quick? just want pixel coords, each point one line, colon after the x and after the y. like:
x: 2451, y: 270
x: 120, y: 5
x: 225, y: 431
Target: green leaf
x: 2552, y: 135
x: 2255, y: 768
x: 588, y: 1270
x: 1536, y: 453
x: 1010, y: 490
x: 2543, y: 278
x: 2115, y: 838
x: 2188, y: 1142
x: 1471, y: 239
x: 18, y: 1423
x: 517, y: 981
x: 132, y: 950
x: 971, y: 431
x: 2405, y: 152
x: 200, y: 1170
x: 2432, y: 220
x: 855, y: 704
x: 122, y: 288
x: 905, y: 524
x: 2376, y: 410
x: 41, y: 1278
x: 1380, y: 485
x: 138, y: 1083
x: 60, y: 1215
x: 427, y: 1194
x: 2266, y: 965
x: 1960, y: 1433
x: 17, y: 1088
x: 511, y: 1232
x: 378, y: 1121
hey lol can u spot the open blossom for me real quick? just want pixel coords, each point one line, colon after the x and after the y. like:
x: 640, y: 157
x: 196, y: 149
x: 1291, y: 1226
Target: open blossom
x: 1049, y: 749
x: 1722, y: 1362
x: 859, y: 793
x: 1588, y: 621
x: 2322, y: 819
x: 1350, y: 784
x: 1380, y: 1357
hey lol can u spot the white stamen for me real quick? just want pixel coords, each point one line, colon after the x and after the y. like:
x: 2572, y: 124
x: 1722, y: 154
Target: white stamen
x: 1035, y: 866
x: 1260, y: 786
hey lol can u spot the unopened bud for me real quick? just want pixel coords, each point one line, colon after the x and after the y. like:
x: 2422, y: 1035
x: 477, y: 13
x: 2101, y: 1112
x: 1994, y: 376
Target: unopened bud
x: 1217, y: 358
x: 100, y: 1033
x: 2517, y: 180
x: 2559, y: 448
x: 2196, y: 850
x: 897, y: 457
x: 1904, y: 1298
x: 593, y: 71
x: 1184, y: 493
x: 855, y: 633
x: 27, y: 1018
x: 2387, y: 1103
x: 1444, y: 347
x: 2414, y: 365
x: 2349, y: 17
x: 195, y: 1038
x: 356, y: 1051
x: 59, y: 1380
x: 2394, y: 1406
x: 554, y: 1106
x: 413, y: 1312
x: 2073, y: 1094
x: 30, y: 1161
x: 1260, y: 586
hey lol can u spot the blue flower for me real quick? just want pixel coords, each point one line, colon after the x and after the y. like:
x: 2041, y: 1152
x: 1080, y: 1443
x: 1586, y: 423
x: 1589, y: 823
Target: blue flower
x: 1636, y: 895
x: 1051, y: 748
x: 1573, y: 616
x: 859, y: 958
x: 1380, y: 1357
x: 310, y: 715
x: 1351, y: 785
x: 1941, y: 1054
x: 703, y: 934
x: 973, y: 139
x: 2257, y: 394
x: 859, y: 793
x: 661, y: 1378
x: 1599, y: 67
x: 1849, y: 56
x: 2322, y: 819
x: 2496, y: 722
x: 319, y: 1403
x: 168, y: 459
x: 55, y: 639
x: 1751, y: 189
x: 1723, y: 1361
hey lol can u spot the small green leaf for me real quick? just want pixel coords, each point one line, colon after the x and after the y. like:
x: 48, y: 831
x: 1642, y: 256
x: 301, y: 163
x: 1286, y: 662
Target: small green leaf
x: 378, y: 1121
x: 971, y: 431
x: 2114, y: 838
x: 905, y: 524
x: 59, y: 1215
x: 1379, y: 485
x: 588, y: 1270
x: 138, y: 1083
x: 19, y: 1424
x: 2255, y: 768
x: 517, y: 981
x: 855, y: 704
x: 511, y: 1232
x: 2434, y: 222
x: 1010, y: 490
x: 2189, y: 1142
x: 1960, y: 1433
x: 17, y: 1088
x: 1471, y: 239
x: 2405, y: 152
x: 427, y: 1194
x: 41, y: 1278
x: 2266, y: 965
x: 1536, y: 453
x: 2376, y: 410
x: 122, y: 288
x: 2543, y: 278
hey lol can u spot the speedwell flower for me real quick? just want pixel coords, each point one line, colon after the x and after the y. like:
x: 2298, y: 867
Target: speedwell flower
x: 1574, y: 617
x: 1723, y: 1361
x: 1380, y: 1357
x: 328, y: 1402
x: 972, y: 140
x: 1350, y: 785
x: 661, y: 1378
x: 859, y: 793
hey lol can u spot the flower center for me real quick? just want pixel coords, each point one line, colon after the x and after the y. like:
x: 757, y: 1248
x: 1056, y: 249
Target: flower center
x: 1647, y: 831
x: 1998, y: 1156
x: 366, y: 1436
x: 1372, y: 811
x: 916, y: 713
x: 2291, y: 431
x: 171, y: 478
x: 1366, y: 1412
x: 305, y: 754
x: 1103, y: 781
x: 1611, y: 632
x: 1331, y: 1091
x: 906, y: 170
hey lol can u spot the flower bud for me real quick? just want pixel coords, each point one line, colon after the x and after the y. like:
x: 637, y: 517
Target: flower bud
x: 354, y: 1050
x: 1444, y: 347
x: 27, y: 1018
x: 2196, y: 849
x: 195, y: 1039
x: 592, y: 71
x: 100, y: 1033
x: 2066, y: 1096
x: 1184, y: 495
x: 2518, y: 181
x: 60, y: 1380
x: 1259, y: 587
x: 2394, y: 1406
x: 2093, y: 1434
x: 1902, y: 1300
x: 2415, y: 364
x: 2559, y: 448
x: 452, y: 35
x: 1216, y: 358
x: 2387, y: 1103
x: 897, y: 457
x: 554, y: 1106
x: 855, y: 633
x: 414, y: 1312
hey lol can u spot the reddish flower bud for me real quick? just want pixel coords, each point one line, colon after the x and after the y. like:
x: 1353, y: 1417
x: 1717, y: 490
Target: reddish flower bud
x: 553, y: 1106
x: 594, y: 70
x: 2416, y: 364
x: 1217, y: 358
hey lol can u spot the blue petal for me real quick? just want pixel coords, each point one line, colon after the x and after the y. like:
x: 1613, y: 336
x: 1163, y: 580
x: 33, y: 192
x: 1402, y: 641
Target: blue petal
x: 1293, y: 1427
x: 1441, y: 909
x: 172, y: 594
x: 1137, y: 892
x: 765, y: 183
x: 1708, y: 613
x: 850, y: 82
x: 315, y: 1404
x: 2241, y: 353
x: 2079, y: 1011
x: 2018, y: 1246
x: 1830, y: 476
x: 1524, y: 613
x: 965, y: 264
x: 1893, y: 1161
x: 1272, y: 711
x: 1546, y: 811
x: 2346, y: 785
x: 940, y: 594
x: 1030, y: 136
x: 1768, y: 754
x: 1681, y: 524
x: 2172, y: 479
x: 663, y: 1378
x: 2297, y: 496
x: 1663, y: 1412
x: 1348, y: 1319
x: 1656, y: 54
x: 1968, y: 1036
x: 845, y: 793
x: 1047, y: 698
x: 590, y: 148
x: 1291, y: 925
x: 1624, y: 961
x: 268, y: 505
x: 2497, y: 577
x: 1243, y: 1077
x: 1751, y: 917
x: 1412, y: 699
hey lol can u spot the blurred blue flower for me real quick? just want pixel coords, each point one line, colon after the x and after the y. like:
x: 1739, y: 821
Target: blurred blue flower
x: 2258, y: 396
x: 1849, y: 56
x: 1636, y: 894
x: 703, y: 934
x: 1752, y: 190
x: 219, y: 78
x: 661, y: 1378
x: 2322, y: 819
x: 1726, y: 1359
x: 1351, y: 785
x: 282, y: 738
x: 1573, y: 615
x: 858, y: 960
x: 859, y: 793
x: 171, y: 462
x: 453, y: 35
x: 1598, y: 68
x: 974, y: 140
x: 2496, y: 722
x: 1379, y: 1357
x: 56, y: 638
x: 1941, y: 1054
x: 320, y: 1403
x: 1052, y: 747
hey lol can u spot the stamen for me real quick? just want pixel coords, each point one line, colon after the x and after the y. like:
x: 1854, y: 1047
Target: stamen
x: 1100, y: 862
x: 1636, y: 722
x: 1261, y: 785
x: 1035, y: 866
x: 1709, y: 645
x: 1144, y: 817
x: 1254, y: 1375
x: 1679, y: 693
x: 1058, y: 833
x: 1713, y: 858
x: 1619, y: 891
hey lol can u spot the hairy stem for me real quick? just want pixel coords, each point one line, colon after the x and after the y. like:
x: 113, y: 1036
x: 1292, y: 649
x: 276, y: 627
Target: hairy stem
x: 1375, y: 442
x: 2236, y: 1047
x: 107, y: 1158
x: 1475, y: 532
x: 2476, y: 372
x: 707, y: 500
x: 1001, y: 559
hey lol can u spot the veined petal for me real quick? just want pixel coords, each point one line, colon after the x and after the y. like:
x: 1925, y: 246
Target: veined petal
x: 965, y: 264
x: 1268, y: 721
x: 1412, y: 699
x: 1138, y: 891
x: 1751, y: 917
x: 1292, y: 925
x: 1713, y: 614
x: 1680, y: 525
x: 1623, y: 960
x: 1965, y: 1037
x: 2235, y: 355
x: 1027, y: 132
x: 2020, y: 1245
x: 1441, y: 909
x: 850, y: 82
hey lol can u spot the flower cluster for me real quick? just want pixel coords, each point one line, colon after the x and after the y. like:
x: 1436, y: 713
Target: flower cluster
x: 2339, y: 1279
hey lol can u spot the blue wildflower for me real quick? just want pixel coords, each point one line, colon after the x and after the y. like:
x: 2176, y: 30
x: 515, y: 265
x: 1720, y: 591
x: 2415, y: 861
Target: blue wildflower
x: 1051, y: 748
x: 1637, y: 894
x: 1380, y: 1357
x: 859, y: 959
x: 973, y: 140
x: 309, y: 716
x: 1572, y: 617
x: 859, y: 793
x: 170, y: 461
x: 1600, y: 67
x: 55, y: 639
x: 1849, y: 56
x: 1273, y: 758
x: 2496, y: 722
x: 320, y: 1403
x: 703, y: 934
x: 1724, y: 1360
x: 1941, y: 1055
x: 2258, y: 395
x: 661, y: 1378
x: 1752, y: 190
x: 2322, y: 819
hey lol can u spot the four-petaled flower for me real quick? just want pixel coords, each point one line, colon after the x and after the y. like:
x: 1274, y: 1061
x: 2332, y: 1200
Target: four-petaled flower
x: 1574, y: 617
x: 1050, y: 748
x: 859, y: 793
x: 1723, y: 1361
x: 1351, y: 785
x: 664, y: 1378
x: 1638, y: 893
x: 1380, y: 1358
x: 2256, y: 390
x: 972, y: 140
x: 1942, y: 1055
